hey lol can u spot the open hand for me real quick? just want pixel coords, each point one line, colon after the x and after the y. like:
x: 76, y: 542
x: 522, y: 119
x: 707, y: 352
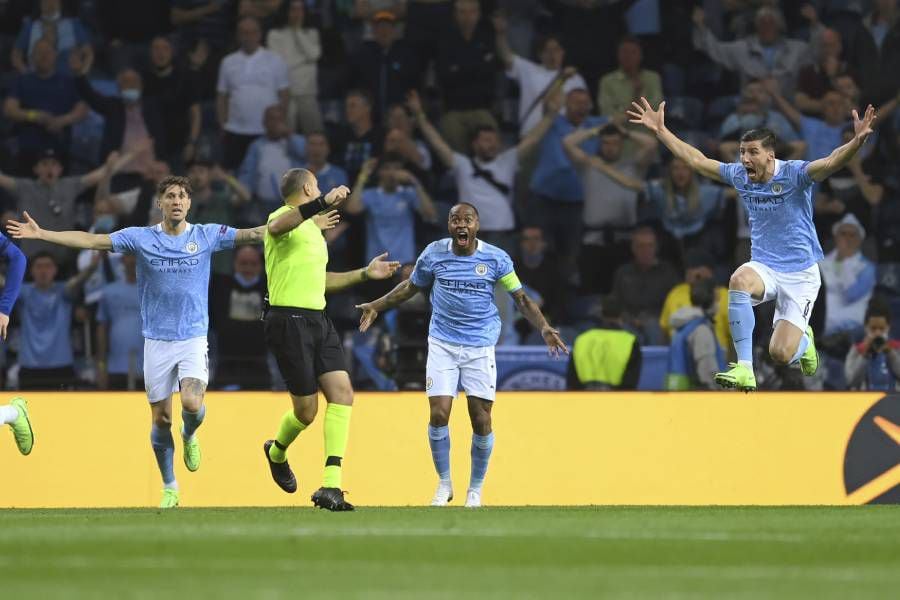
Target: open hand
x: 29, y: 230
x: 4, y: 323
x: 327, y: 220
x: 553, y: 341
x: 380, y: 268
x: 862, y: 129
x: 368, y: 316
x: 643, y: 113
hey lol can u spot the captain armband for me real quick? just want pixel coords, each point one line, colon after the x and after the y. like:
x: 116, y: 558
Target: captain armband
x: 511, y: 282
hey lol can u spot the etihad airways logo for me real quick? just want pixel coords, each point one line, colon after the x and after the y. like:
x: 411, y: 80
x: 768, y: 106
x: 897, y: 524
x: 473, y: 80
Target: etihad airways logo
x: 174, y: 262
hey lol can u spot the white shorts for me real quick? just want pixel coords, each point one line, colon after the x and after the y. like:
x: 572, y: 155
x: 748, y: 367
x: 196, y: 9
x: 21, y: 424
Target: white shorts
x: 450, y: 365
x: 166, y: 363
x: 794, y: 293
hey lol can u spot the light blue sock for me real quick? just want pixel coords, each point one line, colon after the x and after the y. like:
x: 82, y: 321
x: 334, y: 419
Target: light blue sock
x: 190, y: 421
x: 742, y: 320
x: 439, y: 440
x: 801, y: 348
x: 482, y: 446
x: 164, y: 449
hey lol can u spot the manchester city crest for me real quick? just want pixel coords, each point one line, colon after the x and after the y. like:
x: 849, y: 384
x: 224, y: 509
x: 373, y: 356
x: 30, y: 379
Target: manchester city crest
x: 777, y: 188
x: 191, y: 248
x: 481, y: 269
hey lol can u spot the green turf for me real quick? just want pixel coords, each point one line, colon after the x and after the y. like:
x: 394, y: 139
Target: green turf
x: 448, y: 553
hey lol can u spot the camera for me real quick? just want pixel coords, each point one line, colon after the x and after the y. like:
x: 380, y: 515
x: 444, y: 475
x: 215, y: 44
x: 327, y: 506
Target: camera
x: 878, y: 343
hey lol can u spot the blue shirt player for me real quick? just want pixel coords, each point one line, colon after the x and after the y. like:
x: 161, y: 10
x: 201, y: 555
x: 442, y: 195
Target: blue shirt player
x: 173, y: 265
x: 784, y: 248
x: 14, y: 414
x: 459, y: 273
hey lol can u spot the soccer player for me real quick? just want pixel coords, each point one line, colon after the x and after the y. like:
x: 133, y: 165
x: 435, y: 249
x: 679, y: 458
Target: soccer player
x: 14, y: 414
x: 302, y: 337
x: 173, y: 283
x: 461, y: 272
x: 784, y: 248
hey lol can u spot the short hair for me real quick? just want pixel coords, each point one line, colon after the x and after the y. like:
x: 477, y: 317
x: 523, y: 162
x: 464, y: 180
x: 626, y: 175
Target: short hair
x: 170, y: 180
x: 318, y: 132
x: 42, y: 254
x: 764, y: 135
x: 630, y: 39
x: 481, y: 129
x: 878, y: 307
x: 361, y: 93
x: 611, y: 307
x: 543, y: 40
x: 293, y: 180
x: 610, y: 129
x: 469, y: 204
x: 703, y: 293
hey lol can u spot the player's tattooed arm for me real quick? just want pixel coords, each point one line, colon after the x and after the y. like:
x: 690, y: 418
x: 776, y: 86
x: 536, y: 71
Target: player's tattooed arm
x: 400, y: 294
x: 250, y: 236
x: 534, y: 316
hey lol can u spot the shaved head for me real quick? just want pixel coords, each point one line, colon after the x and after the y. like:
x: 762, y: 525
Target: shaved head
x: 294, y: 180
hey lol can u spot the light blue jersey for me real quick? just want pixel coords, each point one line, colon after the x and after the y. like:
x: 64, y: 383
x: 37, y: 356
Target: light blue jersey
x: 782, y: 234
x: 173, y: 276
x: 462, y: 291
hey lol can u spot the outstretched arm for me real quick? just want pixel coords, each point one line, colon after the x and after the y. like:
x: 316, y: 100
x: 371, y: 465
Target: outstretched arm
x: 291, y: 219
x: 534, y: 316
x: 29, y: 230
x: 245, y: 237
x: 572, y: 145
x: 434, y: 139
x: 400, y: 294
x: 377, y: 269
x: 654, y: 120
x: 503, y: 50
x: 820, y: 169
x: 552, y: 103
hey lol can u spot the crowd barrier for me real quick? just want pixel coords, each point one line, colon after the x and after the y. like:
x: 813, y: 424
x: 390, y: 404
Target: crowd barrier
x: 92, y: 450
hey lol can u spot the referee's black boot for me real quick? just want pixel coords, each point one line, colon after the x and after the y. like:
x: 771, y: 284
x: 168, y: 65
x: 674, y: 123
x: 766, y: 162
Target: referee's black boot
x: 281, y: 472
x: 331, y: 498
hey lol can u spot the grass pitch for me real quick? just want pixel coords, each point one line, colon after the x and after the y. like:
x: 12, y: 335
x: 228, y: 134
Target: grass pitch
x: 448, y: 553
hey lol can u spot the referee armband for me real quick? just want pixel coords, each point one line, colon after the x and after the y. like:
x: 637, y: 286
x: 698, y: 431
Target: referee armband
x: 511, y: 282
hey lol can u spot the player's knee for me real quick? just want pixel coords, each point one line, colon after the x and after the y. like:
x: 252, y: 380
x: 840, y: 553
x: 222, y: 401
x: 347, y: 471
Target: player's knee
x: 740, y: 281
x: 481, y: 423
x: 780, y: 353
x: 440, y: 416
x: 162, y: 421
x: 306, y: 414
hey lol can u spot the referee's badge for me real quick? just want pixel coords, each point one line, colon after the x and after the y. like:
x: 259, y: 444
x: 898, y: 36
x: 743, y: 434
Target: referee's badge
x: 481, y: 269
x: 191, y: 248
x: 777, y: 188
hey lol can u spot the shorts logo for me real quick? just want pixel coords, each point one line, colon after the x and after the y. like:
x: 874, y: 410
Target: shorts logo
x: 428, y: 383
x: 777, y: 188
x: 481, y: 269
x: 191, y: 247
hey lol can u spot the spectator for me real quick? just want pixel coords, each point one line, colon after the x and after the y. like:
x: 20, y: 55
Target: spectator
x: 67, y: 34
x: 698, y: 266
x: 174, y: 89
x: 754, y: 110
x: 387, y: 67
x: 765, y: 54
x: 695, y: 355
x: 250, y: 80
x: 300, y: 48
x: 643, y: 284
x: 44, y: 104
x: 206, y: 21
x: 45, y: 310
x: 216, y: 198
x: 128, y: 28
x: 130, y: 121
x: 874, y: 363
x: 400, y: 139
x: 607, y: 356
x: 539, y: 270
x: 875, y: 51
x: 360, y: 139
x: 317, y: 150
x: 264, y: 11
x: 485, y: 178
x: 50, y: 199
x: 817, y: 78
x: 466, y: 70
x: 120, y: 344
x: 821, y: 135
x: 389, y: 208
x: 403, y: 348
x: 267, y: 159
x: 628, y: 83
x: 556, y: 186
x: 535, y: 79
x: 237, y: 303
x: 849, y: 278
x: 610, y: 205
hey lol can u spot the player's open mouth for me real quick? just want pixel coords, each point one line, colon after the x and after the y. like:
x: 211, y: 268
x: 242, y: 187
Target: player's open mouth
x: 751, y: 172
x: 462, y: 238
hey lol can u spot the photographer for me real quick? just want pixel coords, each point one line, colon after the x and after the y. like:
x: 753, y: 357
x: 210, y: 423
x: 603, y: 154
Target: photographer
x: 874, y: 363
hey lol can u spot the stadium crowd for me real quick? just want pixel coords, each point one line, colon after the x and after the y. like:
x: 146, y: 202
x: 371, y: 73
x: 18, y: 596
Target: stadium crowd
x: 516, y: 106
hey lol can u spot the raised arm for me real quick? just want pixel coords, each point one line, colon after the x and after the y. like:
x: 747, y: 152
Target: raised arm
x: 426, y: 207
x: 355, y: 204
x: 724, y: 53
x: 379, y: 268
x: 503, y: 50
x: 572, y: 145
x: 782, y: 104
x: 434, y: 139
x: 291, y: 219
x: 400, y: 294
x: 552, y: 104
x: 7, y: 183
x: 75, y: 283
x: 534, y: 316
x: 29, y: 230
x: 820, y: 169
x: 654, y: 120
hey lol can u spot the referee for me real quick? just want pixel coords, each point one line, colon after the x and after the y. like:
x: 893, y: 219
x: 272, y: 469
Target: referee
x: 302, y: 337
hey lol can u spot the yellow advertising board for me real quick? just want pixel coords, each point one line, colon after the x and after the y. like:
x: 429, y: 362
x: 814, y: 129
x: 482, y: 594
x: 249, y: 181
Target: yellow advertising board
x: 93, y: 450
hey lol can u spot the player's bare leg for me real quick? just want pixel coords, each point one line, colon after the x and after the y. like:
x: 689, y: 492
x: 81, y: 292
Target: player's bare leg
x: 302, y: 414
x: 338, y: 393
x: 745, y: 285
x: 482, y: 446
x: 790, y: 344
x: 439, y: 440
x: 192, y: 413
x: 164, y: 449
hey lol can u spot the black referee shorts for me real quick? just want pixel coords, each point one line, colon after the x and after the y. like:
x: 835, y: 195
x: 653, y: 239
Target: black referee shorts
x: 305, y: 344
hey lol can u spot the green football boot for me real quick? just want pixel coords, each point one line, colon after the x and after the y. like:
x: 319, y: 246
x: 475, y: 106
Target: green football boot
x: 737, y: 377
x: 169, y: 498
x: 21, y: 427
x: 191, y: 453
x: 809, y: 362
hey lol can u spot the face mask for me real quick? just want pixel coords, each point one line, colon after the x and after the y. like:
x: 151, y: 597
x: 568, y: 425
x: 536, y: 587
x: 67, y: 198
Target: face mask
x: 104, y: 224
x: 131, y: 95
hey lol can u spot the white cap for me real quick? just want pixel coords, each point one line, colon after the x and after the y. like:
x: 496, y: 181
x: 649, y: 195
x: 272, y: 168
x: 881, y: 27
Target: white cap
x: 849, y: 219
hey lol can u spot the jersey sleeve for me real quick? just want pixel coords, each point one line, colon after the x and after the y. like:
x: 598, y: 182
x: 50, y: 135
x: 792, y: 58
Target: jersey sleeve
x: 423, y: 275
x: 799, y: 170
x: 221, y: 237
x: 506, y: 274
x: 125, y: 241
x: 729, y: 171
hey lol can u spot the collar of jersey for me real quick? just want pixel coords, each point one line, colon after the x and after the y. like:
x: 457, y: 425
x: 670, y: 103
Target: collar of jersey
x: 450, y: 245
x: 159, y: 228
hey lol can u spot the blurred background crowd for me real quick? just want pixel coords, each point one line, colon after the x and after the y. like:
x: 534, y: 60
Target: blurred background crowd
x: 516, y: 106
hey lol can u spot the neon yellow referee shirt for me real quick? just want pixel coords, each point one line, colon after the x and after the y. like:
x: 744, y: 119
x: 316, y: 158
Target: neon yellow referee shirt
x: 295, y: 265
